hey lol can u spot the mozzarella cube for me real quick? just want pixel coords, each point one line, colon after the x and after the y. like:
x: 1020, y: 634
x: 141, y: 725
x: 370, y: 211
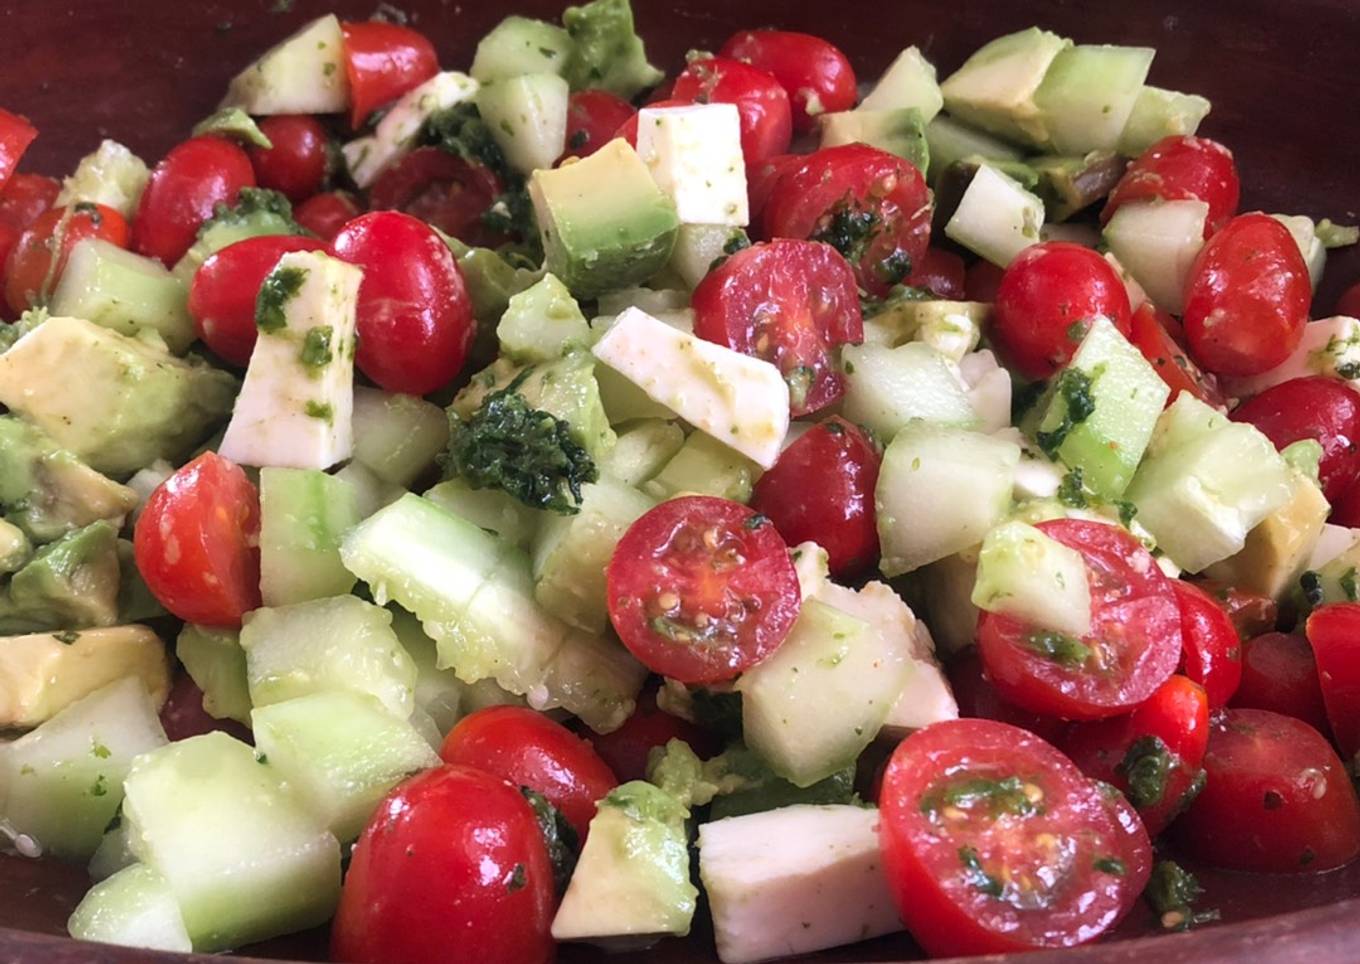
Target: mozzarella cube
x: 1329, y: 346
x: 694, y: 155
x: 395, y: 135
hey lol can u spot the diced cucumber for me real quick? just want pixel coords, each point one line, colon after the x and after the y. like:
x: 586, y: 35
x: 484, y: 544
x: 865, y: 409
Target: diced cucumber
x: 989, y: 389
x: 543, y: 323
x: 520, y: 45
x: 439, y: 694
x: 304, y: 513
x: 305, y: 74
x: 243, y: 861
x: 593, y: 677
x: 527, y: 116
x: 697, y: 246
x: 117, y: 289
x: 900, y: 131
x: 1277, y: 550
x: 909, y: 81
x: 952, y: 328
x: 1157, y: 242
x: 1089, y: 93
x: 886, y: 388
x: 1329, y: 346
x: 1026, y: 574
x: 342, y: 643
x: 113, y: 853
x: 951, y: 141
x: 939, y: 492
x: 491, y: 509
x: 112, y: 176
x: 134, y: 908
x: 642, y: 450
x: 397, y: 437
x: 995, y: 88
x: 65, y: 779
x: 704, y: 466
x: 215, y: 661
x: 1159, y: 113
x: 370, y: 492
x: 1304, y: 233
x: 996, y: 217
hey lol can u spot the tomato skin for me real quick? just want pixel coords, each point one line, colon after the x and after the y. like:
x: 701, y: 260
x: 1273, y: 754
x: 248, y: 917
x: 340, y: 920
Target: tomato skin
x: 787, y: 302
x: 325, y: 214
x: 766, y: 116
x: 1346, y: 509
x: 696, y: 562
x: 941, y: 273
x: 837, y: 512
x: 1150, y: 332
x: 1334, y: 633
x: 1181, y: 168
x: 26, y: 197
x: 978, y: 699
x: 415, y: 317
x: 33, y: 270
x: 185, y: 186
x: 296, y: 165
x: 1279, y: 673
x: 383, y: 61
x: 197, y: 543
x: 1211, y: 648
x: 1246, y: 297
x: 593, y: 118
x: 222, y: 294
x: 527, y: 749
x: 626, y: 749
x: 817, y: 77
x: 942, y: 906
x: 452, y: 865
x: 982, y: 281
x: 183, y: 714
x: 1046, y: 299
x: 1349, y: 302
x: 1135, y: 618
x: 1277, y: 799
x: 16, y: 133
x: 1316, y: 407
x: 443, y: 190
x: 1250, y: 613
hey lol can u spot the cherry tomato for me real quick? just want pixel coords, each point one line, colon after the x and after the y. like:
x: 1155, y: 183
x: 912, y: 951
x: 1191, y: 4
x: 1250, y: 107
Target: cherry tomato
x: 183, y: 714
x: 1247, y: 297
x: 766, y: 117
x: 1277, y: 799
x: 1315, y: 407
x: 1046, y: 301
x: 1349, y: 302
x: 39, y: 256
x: 1279, y: 673
x: 701, y: 589
x: 185, y: 186
x: 789, y: 303
x: 1251, y: 613
x: 1181, y: 168
x: 1346, y: 509
x: 296, y: 163
x: 593, y: 118
x: 762, y: 178
x: 1150, y: 334
x: 26, y: 197
x: 222, y: 294
x: 440, y: 189
x: 529, y: 750
x: 941, y: 273
x: 197, y: 543
x: 452, y: 866
x: 1334, y: 633
x: 1211, y: 648
x: 872, y: 206
x: 982, y: 281
x: 1133, y: 646
x: 994, y: 842
x: 415, y: 317
x: 16, y: 133
x: 838, y: 512
x: 325, y: 214
x: 383, y: 61
x: 817, y: 77
x: 977, y: 699
x: 626, y: 749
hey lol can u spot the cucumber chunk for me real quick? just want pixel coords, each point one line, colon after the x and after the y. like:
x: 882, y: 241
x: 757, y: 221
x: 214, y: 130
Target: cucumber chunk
x: 642, y: 450
x: 704, y: 466
x: 397, y: 437
x: 117, y: 289
x: 491, y: 509
x: 527, y: 117
x: 305, y: 74
x: 215, y: 661
x: 887, y: 388
x: 134, y: 908
x: 113, y: 853
x: 1159, y: 113
x: 439, y: 694
x: 951, y: 141
x: 304, y: 513
x: 1026, y: 574
x: 1157, y: 242
x: 909, y: 81
x: 520, y: 45
x: 112, y: 176
x: 1089, y: 93
x: 996, y: 217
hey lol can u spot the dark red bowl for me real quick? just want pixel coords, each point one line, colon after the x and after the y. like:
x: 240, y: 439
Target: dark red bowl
x: 1282, y: 79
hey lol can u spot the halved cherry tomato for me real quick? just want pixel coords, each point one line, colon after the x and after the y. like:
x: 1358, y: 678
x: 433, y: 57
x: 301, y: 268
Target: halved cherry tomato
x: 941, y: 273
x: 441, y: 189
x: 763, y: 176
x: 1334, y: 633
x: 296, y: 163
x: 1279, y: 673
x: 183, y: 714
x: 1211, y: 648
x: 1133, y: 647
x: 1315, y: 407
x: 626, y: 749
x: 994, y: 842
x: 789, y: 303
x: 184, y: 188
x: 837, y: 512
x: 1181, y: 168
x: 197, y: 543
x: 26, y: 198
x: 1349, y: 302
x: 1247, y: 297
x: 1150, y: 334
x: 701, y: 589
x: 978, y: 699
x: 529, y: 750
x: 222, y: 294
x: 415, y: 317
x: 1048, y: 297
x: 39, y: 256
x: 870, y: 205
x: 982, y: 281
x: 1251, y: 613
x: 766, y: 117
x: 383, y: 61
x: 593, y: 120
x: 16, y: 133
x: 452, y: 865
x: 817, y: 77
x: 1277, y: 799
x: 325, y: 214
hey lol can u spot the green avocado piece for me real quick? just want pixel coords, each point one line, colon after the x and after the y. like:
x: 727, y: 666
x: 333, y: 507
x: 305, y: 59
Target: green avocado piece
x: 607, y: 52
x: 995, y: 87
x: 491, y: 282
x: 257, y: 212
x: 900, y: 131
x: 14, y: 547
x: 1071, y: 184
x: 68, y: 584
x: 542, y: 323
x: 136, y: 604
x: 745, y: 784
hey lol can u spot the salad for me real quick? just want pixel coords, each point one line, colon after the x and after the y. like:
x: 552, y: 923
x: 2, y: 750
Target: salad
x: 563, y: 502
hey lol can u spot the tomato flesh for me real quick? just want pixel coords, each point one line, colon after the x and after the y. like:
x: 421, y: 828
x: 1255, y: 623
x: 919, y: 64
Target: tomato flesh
x: 593, y: 118
x: 817, y: 77
x: 1149, y: 330
x: 443, y: 190
x: 184, y: 189
x: 296, y: 163
x: 766, y: 117
x: 1334, y: 633
x: 325, y: 214
x: 39, y: 255
x: 1181, y: 168
x: 1279, y: 673
x: 1316, y: 407
x: 383, y: 61
x: 1212, y: 650
x: 16, y: 133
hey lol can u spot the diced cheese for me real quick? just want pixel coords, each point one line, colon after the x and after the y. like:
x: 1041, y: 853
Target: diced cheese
x: 1329, y: 346
x: 395, y: 134
x: 694, y: 155
x: 304, y: 74
x: 1333, y: 541
x: 741, y: 401
x: 989, y: 389
x: 296, y: 405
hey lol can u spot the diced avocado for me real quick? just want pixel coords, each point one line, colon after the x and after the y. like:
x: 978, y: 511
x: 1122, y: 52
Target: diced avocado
x: 606, y: 50
x: 1157, y: 242
x: 704, y: 466
x: 604, y: 222
x: 543, y: 323
x: 953, y: 328
x: 491, y: 281
x: 633, y: 877
x: 643, y: 449
x: 1026, y: 574
x: 303, y: 74
x: 521, y: 45
x: 744, y: 783
x: 216, y: 662
x: 65, y: 779
x: 132, y: 908
x: 951, y: 141
x: 71, y: 583
x: 112, y: 176
x: 1088, y: 94
x: 15, y: 549
x: 996, y: 217
x: 135, y: 601
x: 952, y: 184
x: 1159, y: 113
x: 1277, y: 549
x: 257, y: 213
x: 439, y: 694
x: 698, y: 246
x: 117, y: 289
x: 1071, y: 184
x: 527, y: 116
x: 490, y: 509
x: 995, y: 88
x: 304, y: 514
x: 1305, y: 456
x: 909, y: 81
x: 886, y: 388
x: 234, y: 124
x: 901, y: 131
x: 243, y: 860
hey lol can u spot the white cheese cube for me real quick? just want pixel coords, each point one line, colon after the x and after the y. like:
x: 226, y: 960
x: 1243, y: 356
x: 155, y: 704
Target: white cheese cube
x: 694, y: 155
x: 989, y: 389
x: 1329, y: 346
x: 395, y: 135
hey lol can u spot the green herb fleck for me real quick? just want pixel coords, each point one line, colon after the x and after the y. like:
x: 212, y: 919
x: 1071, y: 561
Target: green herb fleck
x: 578, y: 139
x: 755, y: 521
x: 1348, y: 586
x: 320, y: 410
x: 66, y: 637
x: 1071, y: 492
x: 1007, y: 795
x: 276, y: 291
x: 100, y: 788
x: 977, y: 878
x: 1348, y: 370
x: 316, y: 347
x: 518, y: 878
x: 1059, y: 648
x: 1127, y: 510
x: 736, y: 241
x: 262, y: 759
x: 99, y: 750
x: 1111, y: 865
x: 558, y: 834
x: 1146, y: 766
x: 1074, y: 388
x: 1024, y: 398
x: 1172, y: 891
x: 1311, y: 584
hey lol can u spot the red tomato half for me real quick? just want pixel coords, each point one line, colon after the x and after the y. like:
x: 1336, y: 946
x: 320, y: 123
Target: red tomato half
x: 766, y: 118
x: 1133, y: 646
x: 529, y: 750
x: 994, y: 842
x: 1279, y: 673
x: 222, y: 294
x: 325, y: 214
x: 443, y: 190
x: 415, y: 317
x: 1212, y: 650
x: 941, y: 273
x: 789, y: 303
x: 978, y: 699
x: 1247, y: 297
x: 1150, y: 334
x: 296, y: 163
x: 197, y: 543
x: 383, y: 61
x: 1251, y: 613
x: 701, y: 589
x: 817, y: 77
x: 26, y: 197
x: 870, y: 205
x: 626, y: 749
x: 39, y: 255
x: 1181, y: 168
x: 185, y: 186
x: 1316, y: 407
x: 1277, y: 799
x: 452, y: 866
x: 593, y: 118
x: 16, y: 133
x: 1334, y: 633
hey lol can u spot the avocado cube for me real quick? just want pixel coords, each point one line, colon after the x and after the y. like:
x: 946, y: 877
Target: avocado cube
x: 995, y: 88
x: 1277, y: 550
x: 909, y: 81
x: 72, y: 583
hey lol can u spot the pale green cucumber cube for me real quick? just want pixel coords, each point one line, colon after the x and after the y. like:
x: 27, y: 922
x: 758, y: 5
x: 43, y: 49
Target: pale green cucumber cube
x: 1028, y: 575
x: 117, y: 289
x: 492, y: 509
x: 133, y: 908
x: 705, y: 466
x: 643, y: 449
x: 304, y: 515
x: 887, y: 388
x: 1088, y: 94
x: 397, y: 437
x: 215, y: 661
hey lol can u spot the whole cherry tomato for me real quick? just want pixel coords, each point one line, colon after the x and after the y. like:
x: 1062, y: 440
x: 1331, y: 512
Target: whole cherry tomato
x: 1251, y: 613
x: 443, y: 190
x: 626, y: 749
x: 1150, y: 332
x: 817, y: 77
x: 184, y: 188
x: 766, y: 118
x: 1212, y: 650
x: 982, y: 281
x: 26, y: 197
x: 941, y: 273
x: 383, y: 61
x: 628, y: 130
x: 1334, y: 633
x: 1279, y: 673
x: 16, y: 133
x: 325, y: 214
x: 296, y: 163
x: 593, y: 120
x: 1315, y: 407
x: 1181, y: 168
x: 39, y: 255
